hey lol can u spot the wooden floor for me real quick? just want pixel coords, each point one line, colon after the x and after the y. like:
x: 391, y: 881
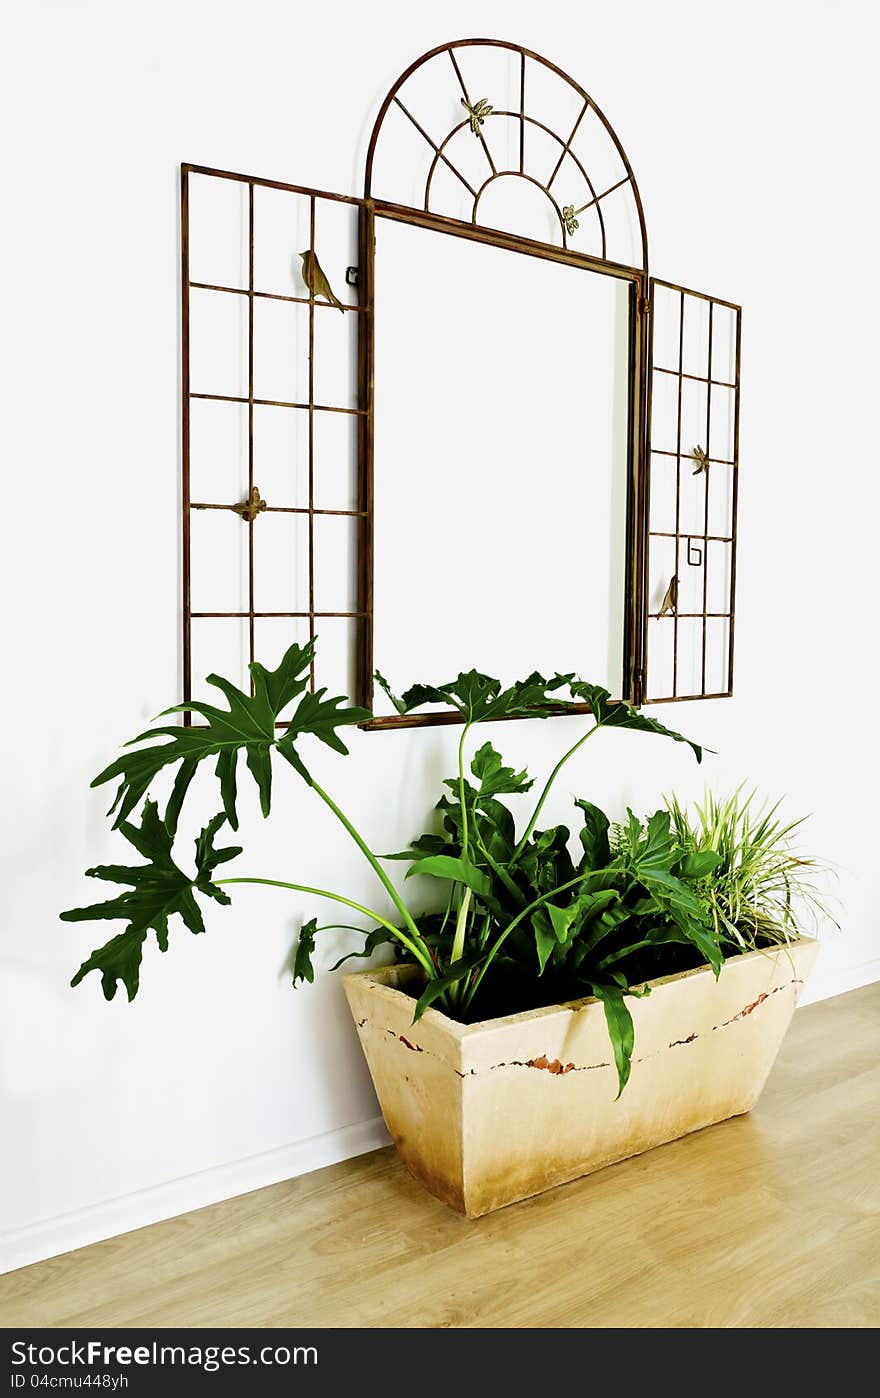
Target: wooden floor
x: 768, y: 1220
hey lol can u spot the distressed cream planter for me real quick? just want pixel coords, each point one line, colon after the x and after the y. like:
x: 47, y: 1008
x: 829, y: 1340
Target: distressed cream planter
x: 486, y: 1114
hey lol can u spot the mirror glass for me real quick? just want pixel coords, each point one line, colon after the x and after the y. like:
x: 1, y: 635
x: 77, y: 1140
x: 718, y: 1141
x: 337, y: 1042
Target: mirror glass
x: 501, y: 453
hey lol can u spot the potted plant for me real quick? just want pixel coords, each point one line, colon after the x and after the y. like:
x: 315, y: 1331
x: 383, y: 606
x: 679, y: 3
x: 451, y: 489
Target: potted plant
x: 549, y: 1012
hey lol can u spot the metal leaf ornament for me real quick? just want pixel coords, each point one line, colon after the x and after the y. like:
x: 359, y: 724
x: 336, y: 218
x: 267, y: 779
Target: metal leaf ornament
x: 478, y: 113
x: 701, y: 459
x: 252, y: 506
x: 569, y: 219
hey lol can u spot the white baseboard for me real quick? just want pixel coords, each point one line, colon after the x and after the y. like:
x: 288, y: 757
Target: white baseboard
x: 34, y: 1243
x: 840, y: 980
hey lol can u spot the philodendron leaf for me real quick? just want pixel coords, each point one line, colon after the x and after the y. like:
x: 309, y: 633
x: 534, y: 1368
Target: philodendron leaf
x: 425, y: 844
x: 494, y: 778
x: 381, y: 681
x: 445, y: 866
x: 303, y: 970
x: 620, y: 1028
x: 479, y: 698
x: 377, y: 938
x: 618, y: 714
x: 249, y: 725
x: 157, y: 890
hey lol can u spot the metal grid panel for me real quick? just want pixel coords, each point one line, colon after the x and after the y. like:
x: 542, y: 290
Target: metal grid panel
x: 565, y: 168
x: 692, y: 494
x: 252, y: 509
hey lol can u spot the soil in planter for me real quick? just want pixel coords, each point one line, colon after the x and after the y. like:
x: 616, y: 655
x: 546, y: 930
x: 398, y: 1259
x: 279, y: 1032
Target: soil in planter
x: 512, y: 988
x: 509, y: 989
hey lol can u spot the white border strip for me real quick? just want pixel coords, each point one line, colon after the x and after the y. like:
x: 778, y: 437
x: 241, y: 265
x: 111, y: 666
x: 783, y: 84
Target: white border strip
x: 52, y: 1236
x: 825, y: 983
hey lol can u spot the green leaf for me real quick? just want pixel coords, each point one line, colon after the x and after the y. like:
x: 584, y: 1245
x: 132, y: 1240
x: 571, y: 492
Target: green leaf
x: 700, y: 934
x: 381, y: 681
x: 158, y: 889
x: 594, y: 836
x: 248, y: 724
x: 118, y: 960
x: 377, y: 938
x: 617, y: 714
x: 494, y: 778
x: 303, y: 970
x: 561, y: 919
x: 444, y: 866
x: 425, y: 844
x: 698, y: 864
x: 480, y: 698
x: 620, y: 1028
x: 439, y: 985
x: 545, y: 937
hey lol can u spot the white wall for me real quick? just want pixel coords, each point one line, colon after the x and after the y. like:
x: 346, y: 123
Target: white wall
x: 752, y: 132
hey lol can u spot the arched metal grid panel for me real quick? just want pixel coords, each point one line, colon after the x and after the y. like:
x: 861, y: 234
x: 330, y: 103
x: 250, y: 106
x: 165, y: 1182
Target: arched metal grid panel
x: 439, y: 144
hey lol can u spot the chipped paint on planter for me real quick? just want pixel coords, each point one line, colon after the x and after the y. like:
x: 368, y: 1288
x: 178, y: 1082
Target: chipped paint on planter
x: 486, y: 1114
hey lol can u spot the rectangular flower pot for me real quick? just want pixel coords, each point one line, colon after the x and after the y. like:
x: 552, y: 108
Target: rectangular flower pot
x: 486, y: 1114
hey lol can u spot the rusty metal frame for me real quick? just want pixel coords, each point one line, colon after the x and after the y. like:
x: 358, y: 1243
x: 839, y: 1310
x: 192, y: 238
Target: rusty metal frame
x: 634, y: 681
x: 364, y: 311
x: 684, y: 455
x: 633, y: 667
x: 525, y: 119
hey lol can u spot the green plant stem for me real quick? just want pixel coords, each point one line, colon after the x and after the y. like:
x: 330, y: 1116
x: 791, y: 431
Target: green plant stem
x: 377, y: 869
x: 546, y: 791
x: 460, y: 927
x: 423, y: 959
x: 464, y: 820
x: 499, y: 941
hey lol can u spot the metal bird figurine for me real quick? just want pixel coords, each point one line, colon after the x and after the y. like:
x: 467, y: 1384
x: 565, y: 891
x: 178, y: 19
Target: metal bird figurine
x: 701, y: 459
x: 315, y: 280
x: 669, y: 605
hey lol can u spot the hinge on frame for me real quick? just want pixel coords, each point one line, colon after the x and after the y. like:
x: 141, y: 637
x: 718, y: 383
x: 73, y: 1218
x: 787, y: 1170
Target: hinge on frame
x: 637, y: 687
x: 645, y: 305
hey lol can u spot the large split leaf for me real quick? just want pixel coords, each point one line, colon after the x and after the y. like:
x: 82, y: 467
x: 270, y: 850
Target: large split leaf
x: 494, y: 778
x: 618, y: 714
x: 249, y: 725
x: 157, y: 890
x: 480, y: 698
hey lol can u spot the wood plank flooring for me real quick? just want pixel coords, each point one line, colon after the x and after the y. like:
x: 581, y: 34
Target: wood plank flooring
x: 770, y: 1220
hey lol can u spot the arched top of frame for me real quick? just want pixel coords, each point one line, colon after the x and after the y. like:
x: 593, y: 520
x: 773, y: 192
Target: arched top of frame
x: 491, y: 134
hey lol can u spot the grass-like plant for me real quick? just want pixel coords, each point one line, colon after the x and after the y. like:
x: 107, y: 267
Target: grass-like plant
x: 762, y: 891
x: 517, y: 920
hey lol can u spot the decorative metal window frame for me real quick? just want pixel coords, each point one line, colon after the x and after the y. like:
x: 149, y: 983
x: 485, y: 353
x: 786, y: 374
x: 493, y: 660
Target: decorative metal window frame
x: 636, y: 686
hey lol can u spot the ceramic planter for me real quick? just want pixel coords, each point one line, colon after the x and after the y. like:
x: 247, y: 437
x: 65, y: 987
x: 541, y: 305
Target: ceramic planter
x: 486, y: 1114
